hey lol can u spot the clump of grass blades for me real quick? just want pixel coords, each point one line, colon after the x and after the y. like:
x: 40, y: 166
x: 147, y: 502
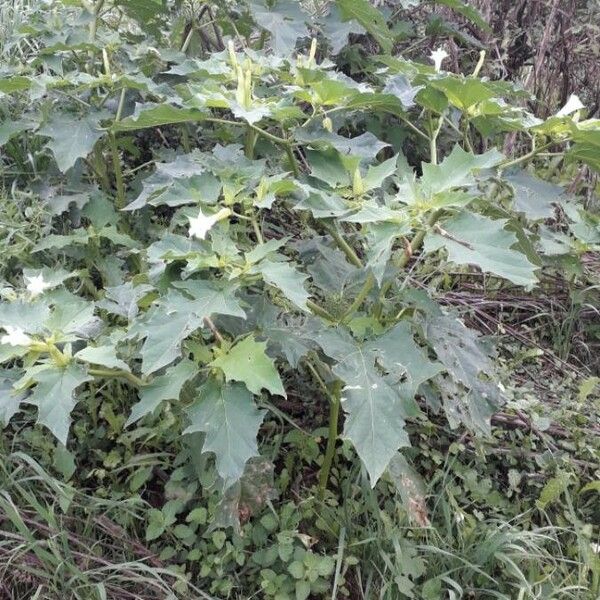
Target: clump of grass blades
x: 59, y: 542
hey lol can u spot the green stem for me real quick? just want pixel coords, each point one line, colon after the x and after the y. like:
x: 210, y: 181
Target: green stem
x: 414, y: 127
x: 433, y: 139
x: 415, y: 245
x: 320, y: 311
x: 293, y: 162
x: 250, y: 142
x: 117, y: 374
x: 334, y: 414
x: 525, y: 157
x: 94, y: 24
x: 257, y: 231
x: 287, y: 145
x: 188, y: 39
x: 479, y: 64
x: 344, y: 246
x: 116, y: 160
x: 121, y: 104
x: 360, y: 298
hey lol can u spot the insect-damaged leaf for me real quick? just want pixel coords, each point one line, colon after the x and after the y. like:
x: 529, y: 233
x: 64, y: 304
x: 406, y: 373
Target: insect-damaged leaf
x: 465, y: 358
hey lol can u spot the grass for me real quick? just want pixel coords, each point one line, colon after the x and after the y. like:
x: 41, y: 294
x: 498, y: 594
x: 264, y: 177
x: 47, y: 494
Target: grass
x: 59, y: 542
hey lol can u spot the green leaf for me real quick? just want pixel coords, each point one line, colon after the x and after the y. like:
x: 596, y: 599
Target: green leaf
x: 29, y: 316
x: 463, y: 355
x: 370, y: 18
x: 284, y: 20
x: 164, y: 328
x: 336, y: 31
x: 54, y: 397
x: 400, y: 86
x: 463, y: 92
x: 554, y: 489
x: 143, y: 11
x: 71, y: 317
x: 226, y: 413
x: 70, y: 138
x: 285, y: 278
x: 586, y: 388
x: 212, y: 299
x: 365, y: 146
x: 302, y: 589
x: 375, y: 410
x: 175, y: 317
x: 400, y: 355
x: 248, y: 362
x: 58, y: 242
x: 10, y: 399
x: 586, y: 147
x: 456, y: 170
x: 163, y: 387
x: 467, y: 11
x: 16, y: 83
x: 155, y: 115
x: 123, y: 299
x: 64, y: 462
x: 9, y: 129
x: 102, y: 355
x: 471, y: 239
x: 377, y: 174
x: 533, y: 196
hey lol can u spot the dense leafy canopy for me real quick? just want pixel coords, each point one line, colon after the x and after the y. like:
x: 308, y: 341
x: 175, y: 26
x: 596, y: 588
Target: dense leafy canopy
x: 279, y: 239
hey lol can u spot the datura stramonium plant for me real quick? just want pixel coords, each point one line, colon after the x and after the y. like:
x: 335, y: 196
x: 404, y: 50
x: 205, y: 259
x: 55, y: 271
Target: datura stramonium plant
x: 277, y: 226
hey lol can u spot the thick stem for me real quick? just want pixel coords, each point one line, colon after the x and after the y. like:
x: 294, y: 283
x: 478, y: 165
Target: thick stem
x: 250, y: 142
x: 433, y: 139
x: 293, y: 162
x: 360, y: 298
x: 345, y: 247
x: 415, y: 245
x: 116, y: 160
x: 334, y: 414
x: 320, y: 311
x: 117, y: 374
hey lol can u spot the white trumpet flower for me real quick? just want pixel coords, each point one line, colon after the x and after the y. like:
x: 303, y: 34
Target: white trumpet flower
x: 36, y: 285
x: 573, y: 104
x: 15, y: 336
x: 437, y: 56
x: 200, y: 225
